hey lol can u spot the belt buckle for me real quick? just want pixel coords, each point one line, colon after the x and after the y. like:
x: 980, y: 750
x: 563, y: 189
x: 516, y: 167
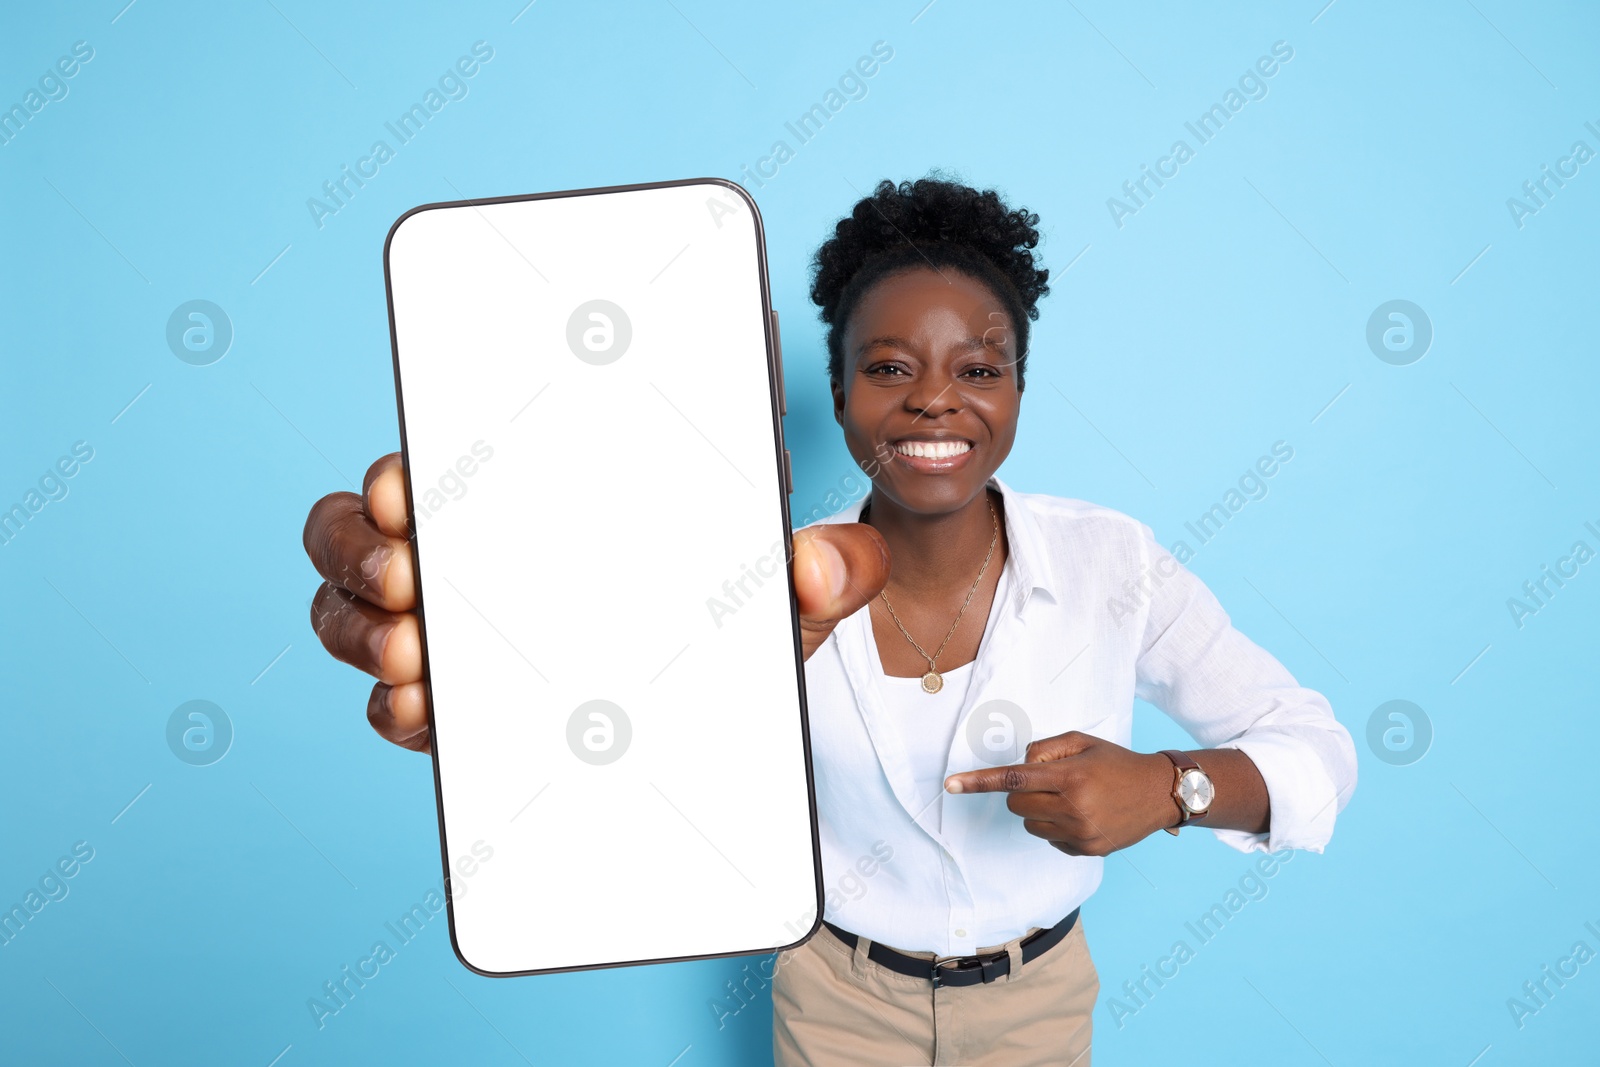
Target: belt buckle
x: 940, y: 962
x: 988, y: 965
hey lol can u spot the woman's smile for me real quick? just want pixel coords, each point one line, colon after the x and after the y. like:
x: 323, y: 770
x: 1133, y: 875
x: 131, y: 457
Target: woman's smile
x: 933, y: 455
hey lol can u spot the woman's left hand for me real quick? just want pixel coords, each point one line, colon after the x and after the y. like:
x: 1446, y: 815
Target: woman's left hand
x: 1085, y: 795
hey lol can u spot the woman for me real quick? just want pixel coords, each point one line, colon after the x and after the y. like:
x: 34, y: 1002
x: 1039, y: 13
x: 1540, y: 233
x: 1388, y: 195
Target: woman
x: 970, y: 704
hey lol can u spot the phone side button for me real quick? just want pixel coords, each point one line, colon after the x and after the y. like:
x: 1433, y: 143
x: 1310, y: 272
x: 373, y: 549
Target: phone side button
x: 788, y: 471
x: 777, y: 359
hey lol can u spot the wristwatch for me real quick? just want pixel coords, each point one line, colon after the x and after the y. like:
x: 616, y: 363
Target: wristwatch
x: 1192, y: 790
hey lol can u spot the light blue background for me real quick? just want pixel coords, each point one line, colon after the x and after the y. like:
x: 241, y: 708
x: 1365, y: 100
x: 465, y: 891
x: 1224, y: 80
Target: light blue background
x: 1227, y: 314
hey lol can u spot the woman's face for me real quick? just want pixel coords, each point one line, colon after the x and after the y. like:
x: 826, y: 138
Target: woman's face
x: 930, y: 366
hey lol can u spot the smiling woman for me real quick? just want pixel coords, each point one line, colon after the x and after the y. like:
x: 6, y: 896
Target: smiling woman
x: 1004, y: 778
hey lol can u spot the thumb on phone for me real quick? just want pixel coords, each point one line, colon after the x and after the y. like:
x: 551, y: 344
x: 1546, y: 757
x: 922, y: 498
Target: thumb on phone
x: 838, y: 567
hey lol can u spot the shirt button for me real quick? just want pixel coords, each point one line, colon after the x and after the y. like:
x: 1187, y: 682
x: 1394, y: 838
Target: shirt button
x: 961, y: 933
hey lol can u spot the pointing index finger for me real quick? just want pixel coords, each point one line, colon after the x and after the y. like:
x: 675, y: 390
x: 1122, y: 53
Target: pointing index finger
x: 1018, y: 778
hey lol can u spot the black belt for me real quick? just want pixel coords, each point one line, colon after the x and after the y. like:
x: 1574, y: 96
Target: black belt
x: 961, y: 970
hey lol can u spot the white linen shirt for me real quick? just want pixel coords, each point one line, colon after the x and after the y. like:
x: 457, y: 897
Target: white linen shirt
x: 1099, y: 613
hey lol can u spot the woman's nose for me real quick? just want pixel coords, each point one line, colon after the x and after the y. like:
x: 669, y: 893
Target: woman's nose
x: 934, y: 393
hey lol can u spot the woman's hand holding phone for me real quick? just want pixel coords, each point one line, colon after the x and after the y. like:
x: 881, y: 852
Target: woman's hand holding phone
x: 365, y: 611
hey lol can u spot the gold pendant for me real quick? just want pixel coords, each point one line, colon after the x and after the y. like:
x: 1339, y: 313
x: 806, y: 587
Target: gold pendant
x: 931, y: 682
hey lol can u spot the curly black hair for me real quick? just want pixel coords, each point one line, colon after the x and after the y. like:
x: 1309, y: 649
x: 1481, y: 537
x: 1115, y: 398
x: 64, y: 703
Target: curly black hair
x: 929, y: 222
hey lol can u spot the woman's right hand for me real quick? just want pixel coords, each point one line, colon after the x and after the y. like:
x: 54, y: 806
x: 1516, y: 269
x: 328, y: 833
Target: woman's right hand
x: 365, y: 612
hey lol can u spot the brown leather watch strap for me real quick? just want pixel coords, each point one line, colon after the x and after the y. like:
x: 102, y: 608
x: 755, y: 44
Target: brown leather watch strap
x: 1180, y: 760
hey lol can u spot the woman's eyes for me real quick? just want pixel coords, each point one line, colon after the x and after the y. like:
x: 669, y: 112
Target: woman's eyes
x: 989, y: 372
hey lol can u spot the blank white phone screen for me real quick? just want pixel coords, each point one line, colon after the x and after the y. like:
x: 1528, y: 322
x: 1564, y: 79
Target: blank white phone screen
x: 602, y: 535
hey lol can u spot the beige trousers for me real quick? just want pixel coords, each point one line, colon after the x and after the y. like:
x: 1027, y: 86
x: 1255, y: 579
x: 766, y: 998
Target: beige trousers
x: 834, y: 1007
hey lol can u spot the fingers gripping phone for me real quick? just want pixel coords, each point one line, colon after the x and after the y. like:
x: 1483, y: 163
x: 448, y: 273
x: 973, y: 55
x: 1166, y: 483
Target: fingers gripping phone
x: 589, y: 389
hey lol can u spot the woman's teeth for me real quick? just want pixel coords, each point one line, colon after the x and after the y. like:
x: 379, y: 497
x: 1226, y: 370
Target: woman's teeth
x: 932, y: 449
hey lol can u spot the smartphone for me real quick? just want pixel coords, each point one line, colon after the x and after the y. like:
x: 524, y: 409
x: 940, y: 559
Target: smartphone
x: 589, y: 387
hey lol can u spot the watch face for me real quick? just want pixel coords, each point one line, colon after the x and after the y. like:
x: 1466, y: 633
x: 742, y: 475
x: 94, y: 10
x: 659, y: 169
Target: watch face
x: 1194, y: 789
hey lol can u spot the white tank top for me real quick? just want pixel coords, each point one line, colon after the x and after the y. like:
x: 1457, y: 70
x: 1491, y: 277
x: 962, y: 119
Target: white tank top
x: 927, y: 721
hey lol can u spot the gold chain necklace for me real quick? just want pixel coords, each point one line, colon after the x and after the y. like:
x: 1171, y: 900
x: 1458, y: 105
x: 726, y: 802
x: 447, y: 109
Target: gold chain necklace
x: 933, y: 681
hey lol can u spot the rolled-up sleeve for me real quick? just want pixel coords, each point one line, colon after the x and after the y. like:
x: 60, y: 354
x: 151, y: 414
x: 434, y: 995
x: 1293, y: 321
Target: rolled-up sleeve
x: 1228, y: 692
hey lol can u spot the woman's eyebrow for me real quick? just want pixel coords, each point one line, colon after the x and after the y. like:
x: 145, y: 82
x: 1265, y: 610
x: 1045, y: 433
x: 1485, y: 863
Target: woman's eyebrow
x: 883, y: 342
x: 968, y: 345
x: 973, y: 343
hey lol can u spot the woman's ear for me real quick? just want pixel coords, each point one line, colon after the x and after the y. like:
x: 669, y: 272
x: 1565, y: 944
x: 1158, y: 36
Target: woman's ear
x: 838, y: 403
